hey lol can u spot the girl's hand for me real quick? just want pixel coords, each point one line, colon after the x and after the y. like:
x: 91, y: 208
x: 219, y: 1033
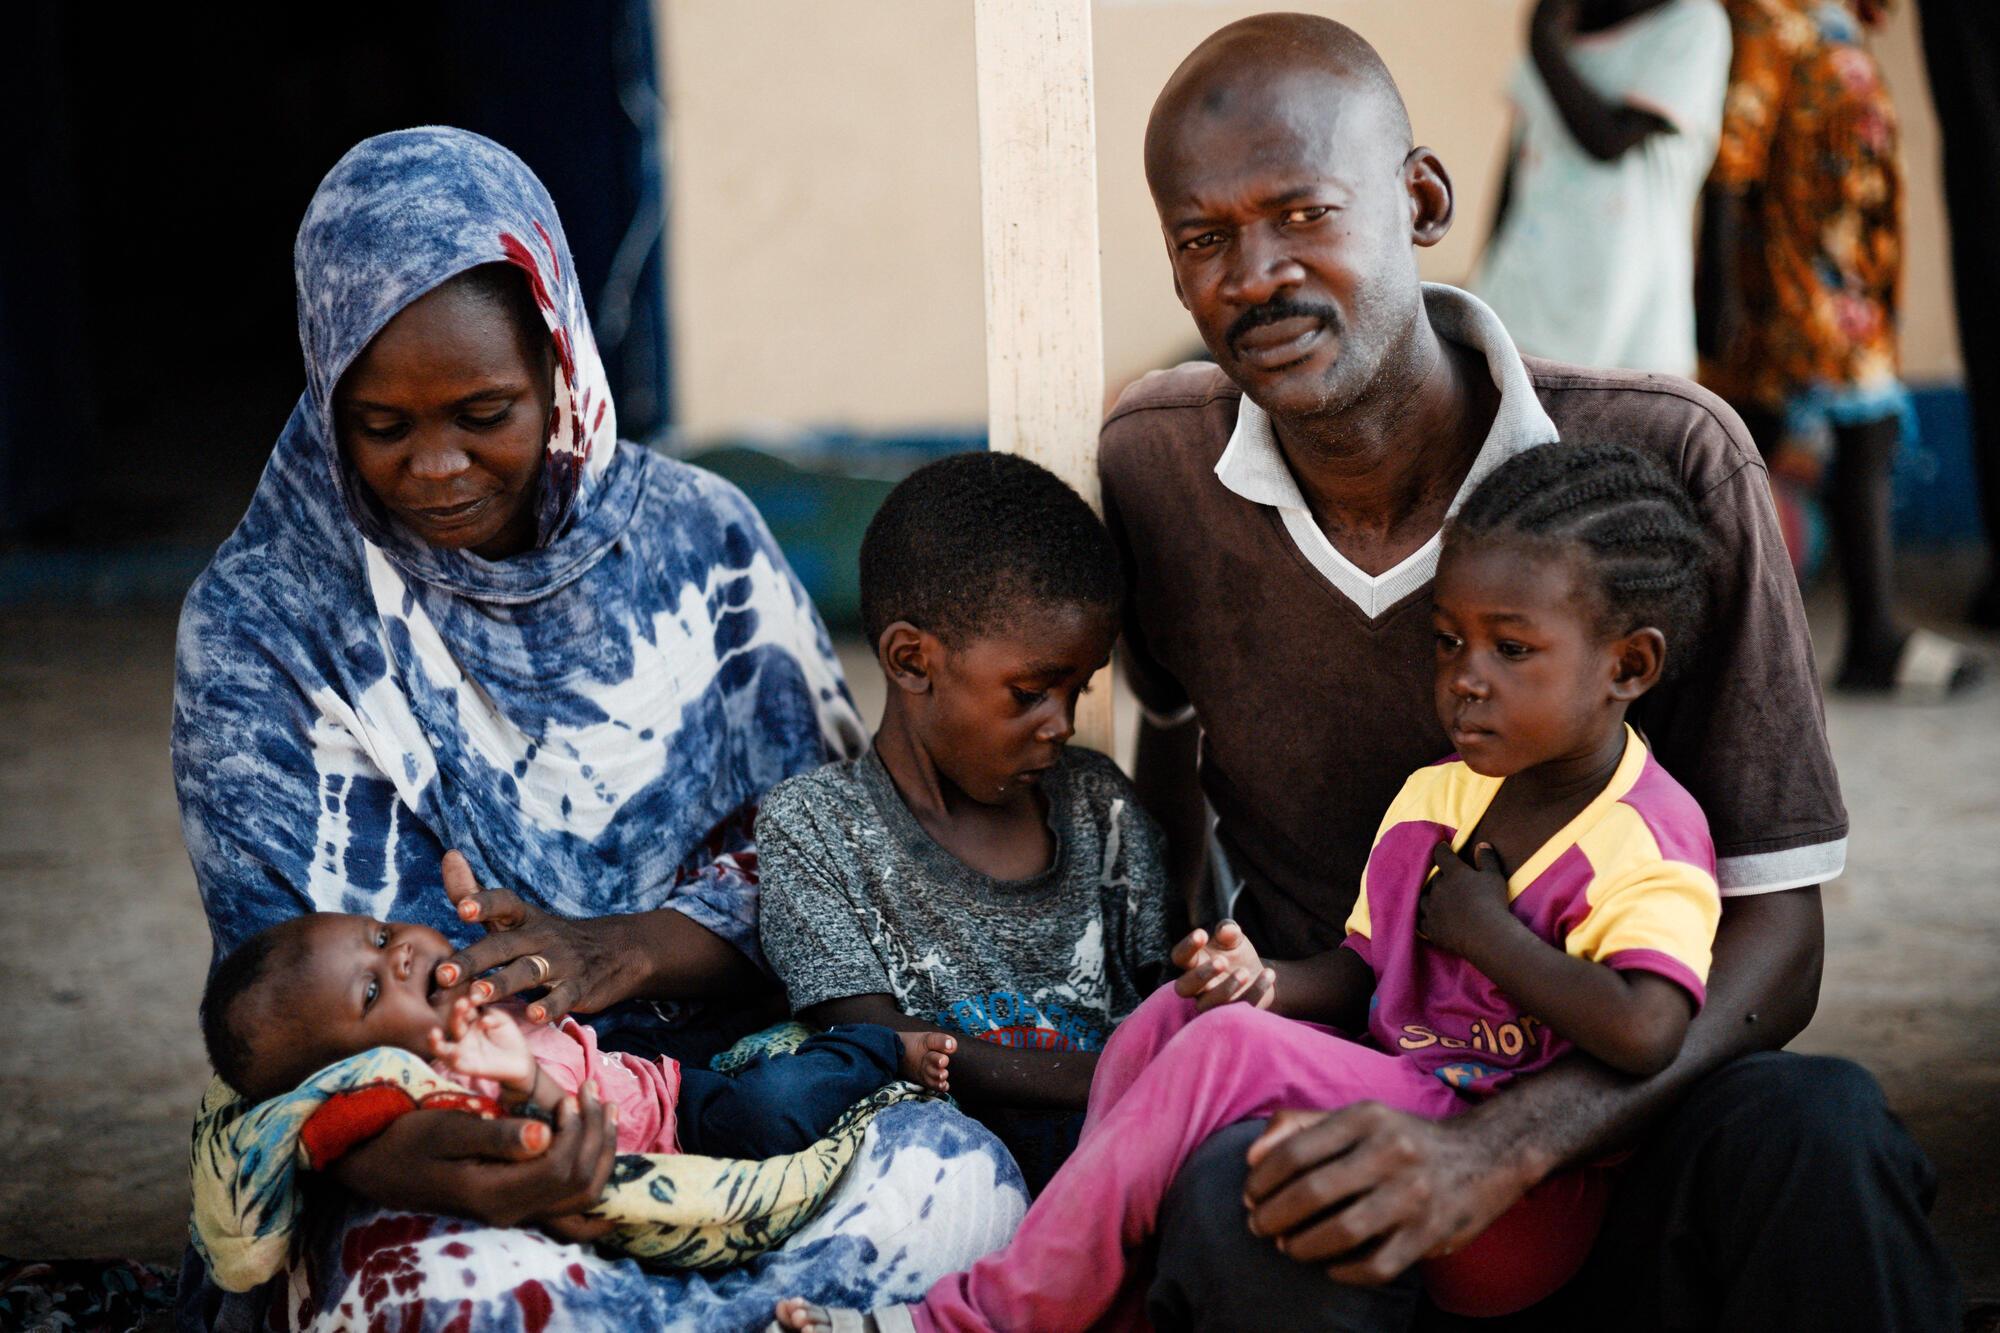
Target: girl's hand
x: 486, y: 1043
x: 1462, y: 903
x: 585, y: 965
x: 1222, y: 969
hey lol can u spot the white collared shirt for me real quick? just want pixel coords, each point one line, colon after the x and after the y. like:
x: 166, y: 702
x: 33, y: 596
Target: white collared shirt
x: 1254, y: 466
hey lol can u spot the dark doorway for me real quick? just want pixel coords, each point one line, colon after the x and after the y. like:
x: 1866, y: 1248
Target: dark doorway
x: 160, y: 159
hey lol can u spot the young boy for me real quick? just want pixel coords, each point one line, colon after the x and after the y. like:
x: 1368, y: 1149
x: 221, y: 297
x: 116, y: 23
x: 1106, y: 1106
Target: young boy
x: 1550, y: 887
x: 321, y: 987
x: 970, y: 872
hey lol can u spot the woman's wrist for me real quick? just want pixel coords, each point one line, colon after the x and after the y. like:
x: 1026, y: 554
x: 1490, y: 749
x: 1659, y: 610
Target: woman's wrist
x: 632, y: 945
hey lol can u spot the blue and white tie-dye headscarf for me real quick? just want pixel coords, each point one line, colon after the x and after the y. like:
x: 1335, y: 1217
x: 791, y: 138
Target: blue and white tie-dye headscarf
x: 588, y: 721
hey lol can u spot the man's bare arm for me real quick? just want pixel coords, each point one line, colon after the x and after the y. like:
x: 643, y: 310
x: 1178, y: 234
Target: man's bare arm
x: 1763, y: 989
x: 981, y: 1071
x: 1605, y: 129
x: 1405, y: 1187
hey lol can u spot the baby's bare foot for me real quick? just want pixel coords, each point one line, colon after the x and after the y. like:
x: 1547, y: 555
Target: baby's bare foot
x: 795, y: 1313
x: 926, y: 1060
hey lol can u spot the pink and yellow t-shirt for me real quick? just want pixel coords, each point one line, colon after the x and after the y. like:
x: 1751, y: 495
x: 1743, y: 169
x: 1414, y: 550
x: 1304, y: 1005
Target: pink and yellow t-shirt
x: 1629, y: 883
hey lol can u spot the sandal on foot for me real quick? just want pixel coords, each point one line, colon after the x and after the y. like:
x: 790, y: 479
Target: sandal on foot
x: 891, y: 1319
x: 1927, y: 668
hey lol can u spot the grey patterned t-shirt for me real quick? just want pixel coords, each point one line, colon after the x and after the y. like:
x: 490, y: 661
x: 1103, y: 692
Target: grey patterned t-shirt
x: 859, y: 900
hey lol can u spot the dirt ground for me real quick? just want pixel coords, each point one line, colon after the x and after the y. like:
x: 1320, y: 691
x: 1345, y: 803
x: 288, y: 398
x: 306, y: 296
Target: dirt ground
x: 101, y: 930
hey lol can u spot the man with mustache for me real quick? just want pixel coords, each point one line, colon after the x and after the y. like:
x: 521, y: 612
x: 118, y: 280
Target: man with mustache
x: 1279, y: 513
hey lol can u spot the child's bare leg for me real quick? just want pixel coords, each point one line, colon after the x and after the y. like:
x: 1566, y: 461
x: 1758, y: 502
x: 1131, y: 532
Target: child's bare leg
x: 926, y: 1062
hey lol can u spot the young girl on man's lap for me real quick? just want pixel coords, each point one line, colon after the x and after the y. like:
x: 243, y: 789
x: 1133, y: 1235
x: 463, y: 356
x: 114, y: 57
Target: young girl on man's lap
x: 1549, y: 887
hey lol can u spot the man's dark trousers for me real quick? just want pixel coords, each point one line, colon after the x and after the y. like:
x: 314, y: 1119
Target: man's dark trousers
x: 1780, y: 1194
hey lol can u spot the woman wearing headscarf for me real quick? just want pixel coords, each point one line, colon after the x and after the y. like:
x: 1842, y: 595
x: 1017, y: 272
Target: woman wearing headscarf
x: 461, y: 615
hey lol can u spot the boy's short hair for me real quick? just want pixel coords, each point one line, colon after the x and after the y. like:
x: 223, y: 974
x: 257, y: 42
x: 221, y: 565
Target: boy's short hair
x: 250, y: 964
x: 963, y: 542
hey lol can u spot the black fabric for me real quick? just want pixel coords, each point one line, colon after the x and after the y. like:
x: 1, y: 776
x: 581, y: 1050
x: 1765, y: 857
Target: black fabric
x: 1213, y: 1276
x: 1858, y: 505
x: 1962, y: 52
x: 1858, y: 502
x: 775, y: 1106
x: 1780, y: 1194
x: 1041, y: 1141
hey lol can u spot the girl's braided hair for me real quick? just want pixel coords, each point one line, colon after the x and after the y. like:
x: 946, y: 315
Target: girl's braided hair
x: 1625, y: 515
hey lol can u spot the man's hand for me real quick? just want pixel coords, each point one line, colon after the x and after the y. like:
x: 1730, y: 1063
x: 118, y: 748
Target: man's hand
x: 1461, y: 904
x: 1222, y: 969
x: 485, y: 1043
x: 1368, y: 1191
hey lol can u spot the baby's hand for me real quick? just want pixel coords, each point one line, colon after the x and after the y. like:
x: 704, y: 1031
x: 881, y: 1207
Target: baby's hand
x: 486, y: 1043
x: 1461, y: 904
x: 1222, y: 969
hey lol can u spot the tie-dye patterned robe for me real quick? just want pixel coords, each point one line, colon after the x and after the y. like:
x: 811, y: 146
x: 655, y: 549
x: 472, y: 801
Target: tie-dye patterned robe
x: 591, y: 722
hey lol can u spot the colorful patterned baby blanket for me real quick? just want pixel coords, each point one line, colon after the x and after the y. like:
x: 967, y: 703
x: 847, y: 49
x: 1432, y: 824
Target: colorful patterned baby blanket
x: 679, y: 1211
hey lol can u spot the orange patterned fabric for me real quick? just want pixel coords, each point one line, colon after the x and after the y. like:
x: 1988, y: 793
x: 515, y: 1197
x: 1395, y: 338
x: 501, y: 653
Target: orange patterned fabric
x: 1809, y: 139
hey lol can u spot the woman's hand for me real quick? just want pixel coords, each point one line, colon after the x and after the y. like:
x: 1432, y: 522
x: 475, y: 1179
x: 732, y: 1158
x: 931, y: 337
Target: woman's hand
x: 1222, y: 969
x: 500, y: 1172
x: 587, y: 966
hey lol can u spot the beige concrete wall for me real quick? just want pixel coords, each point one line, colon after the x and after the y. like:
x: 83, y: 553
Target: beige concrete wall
x: 825, y: 243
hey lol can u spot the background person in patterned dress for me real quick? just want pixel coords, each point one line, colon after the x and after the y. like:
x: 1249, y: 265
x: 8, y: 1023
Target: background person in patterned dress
x: 1803, y: 259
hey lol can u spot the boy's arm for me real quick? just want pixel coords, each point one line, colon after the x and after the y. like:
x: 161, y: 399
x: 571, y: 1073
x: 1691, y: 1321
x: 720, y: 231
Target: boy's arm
x: 981, y: 1071
x: 1633, y: 1021
x: 1603, y: 128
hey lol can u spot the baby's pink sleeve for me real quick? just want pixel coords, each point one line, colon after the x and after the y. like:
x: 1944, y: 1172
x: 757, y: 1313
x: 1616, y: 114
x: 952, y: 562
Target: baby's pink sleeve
x: 644, y: 1091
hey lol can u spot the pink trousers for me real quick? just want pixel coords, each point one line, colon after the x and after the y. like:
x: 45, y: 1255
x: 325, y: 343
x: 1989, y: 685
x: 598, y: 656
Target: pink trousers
x: 1167, y: 1081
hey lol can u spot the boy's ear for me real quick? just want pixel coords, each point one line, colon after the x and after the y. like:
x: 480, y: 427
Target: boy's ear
x: 1637, y: 660
x: 907, y: 655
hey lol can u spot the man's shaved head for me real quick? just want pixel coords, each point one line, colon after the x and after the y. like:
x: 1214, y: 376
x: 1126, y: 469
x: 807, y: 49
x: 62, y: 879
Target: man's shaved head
x: 1233, y: 73
x: 1292, y: 201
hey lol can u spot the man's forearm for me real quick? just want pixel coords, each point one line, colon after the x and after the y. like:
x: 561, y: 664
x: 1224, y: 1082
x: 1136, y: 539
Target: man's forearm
x: 1763, y: 988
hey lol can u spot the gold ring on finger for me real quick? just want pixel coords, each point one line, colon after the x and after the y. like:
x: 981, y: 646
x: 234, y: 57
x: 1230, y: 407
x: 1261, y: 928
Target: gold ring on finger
x: 542, y: 968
